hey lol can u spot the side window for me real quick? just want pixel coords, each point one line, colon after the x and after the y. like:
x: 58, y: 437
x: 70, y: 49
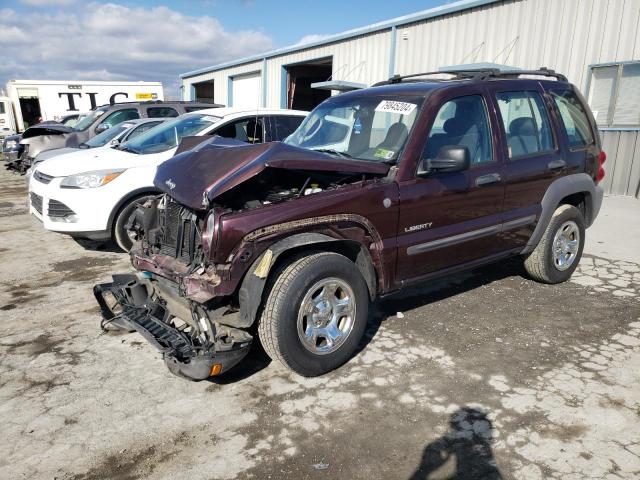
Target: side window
x: 526, y: 123
x: 462, y: 121
x: 574, y: 118
x: 161, y: 112
x: 141, y: 129
x: 249, y: 130
x: 117, y: 117
x: 282, y: 126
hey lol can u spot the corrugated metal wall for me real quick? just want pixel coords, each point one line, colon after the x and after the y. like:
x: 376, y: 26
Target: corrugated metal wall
x: 566, y: 35
x: 623, y: 162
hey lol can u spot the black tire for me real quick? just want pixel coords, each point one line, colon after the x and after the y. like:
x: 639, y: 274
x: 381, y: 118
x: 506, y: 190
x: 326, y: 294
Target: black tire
x: 120, y: 235
x: 540, y: 264
x: 278, y: 325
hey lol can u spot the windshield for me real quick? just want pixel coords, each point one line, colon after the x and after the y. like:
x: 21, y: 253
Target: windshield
x: 108, y: 135
x: 88, y: 120
x: 363, y: 127
x: 168, y: 135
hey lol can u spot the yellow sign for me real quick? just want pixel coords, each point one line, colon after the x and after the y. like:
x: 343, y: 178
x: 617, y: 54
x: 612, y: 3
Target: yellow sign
x: 146, y: 96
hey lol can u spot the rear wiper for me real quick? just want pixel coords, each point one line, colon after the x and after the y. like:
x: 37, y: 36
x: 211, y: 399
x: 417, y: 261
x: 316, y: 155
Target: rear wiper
x: 333, y: 152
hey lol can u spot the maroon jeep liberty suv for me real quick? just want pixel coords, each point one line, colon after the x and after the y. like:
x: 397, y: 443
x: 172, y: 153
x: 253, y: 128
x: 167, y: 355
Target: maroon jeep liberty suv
x: 378, y: 189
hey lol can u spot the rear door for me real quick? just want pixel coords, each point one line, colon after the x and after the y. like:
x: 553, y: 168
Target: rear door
x: 279, y: 127
x: 532, y: 155
x: 450, y: 219
x: 246, y: 129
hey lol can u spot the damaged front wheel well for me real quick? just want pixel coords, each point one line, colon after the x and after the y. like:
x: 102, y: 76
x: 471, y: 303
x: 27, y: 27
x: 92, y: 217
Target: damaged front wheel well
x: 250, y: 295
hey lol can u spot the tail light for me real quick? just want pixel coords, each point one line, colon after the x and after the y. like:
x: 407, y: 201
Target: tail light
x: 601, y: 159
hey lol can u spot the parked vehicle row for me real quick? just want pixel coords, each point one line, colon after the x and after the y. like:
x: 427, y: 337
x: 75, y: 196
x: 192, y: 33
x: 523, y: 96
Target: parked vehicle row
x: 48, y: 136
x: 93, y: 193
x: 377, y: 190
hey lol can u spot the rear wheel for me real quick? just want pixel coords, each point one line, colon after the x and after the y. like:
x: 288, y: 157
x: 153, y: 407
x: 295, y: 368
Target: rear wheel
x: 558, y: 253
x: 124, y: 238
x: 315, y: 314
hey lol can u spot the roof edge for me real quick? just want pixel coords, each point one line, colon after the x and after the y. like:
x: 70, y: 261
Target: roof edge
x: 434, y: 12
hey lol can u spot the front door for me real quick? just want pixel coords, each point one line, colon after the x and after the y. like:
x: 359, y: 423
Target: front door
x: 449, y: 219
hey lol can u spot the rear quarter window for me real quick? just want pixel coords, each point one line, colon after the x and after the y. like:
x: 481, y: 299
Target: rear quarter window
x: 574, y: 118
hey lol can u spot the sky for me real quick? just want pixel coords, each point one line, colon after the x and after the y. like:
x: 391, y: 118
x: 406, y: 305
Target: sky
x: 156, y: 41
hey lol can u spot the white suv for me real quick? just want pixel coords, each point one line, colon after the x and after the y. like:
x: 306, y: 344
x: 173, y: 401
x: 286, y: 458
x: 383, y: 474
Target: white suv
x: 93, y: 193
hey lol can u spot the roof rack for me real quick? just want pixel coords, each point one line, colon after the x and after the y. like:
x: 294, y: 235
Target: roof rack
x: 478, y: 74
x: 147, y: 102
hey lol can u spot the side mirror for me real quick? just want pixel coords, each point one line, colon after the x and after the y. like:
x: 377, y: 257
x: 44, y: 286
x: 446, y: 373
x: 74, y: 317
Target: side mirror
x: 102, y: 127
x: 450, y: 158
x: 114, y: 142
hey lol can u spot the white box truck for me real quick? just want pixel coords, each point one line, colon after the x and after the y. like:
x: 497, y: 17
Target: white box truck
x: 35, y: 101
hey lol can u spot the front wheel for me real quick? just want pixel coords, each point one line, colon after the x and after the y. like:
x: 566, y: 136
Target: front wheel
x: 556, y: 256
x: 121, y: 235
x: 315, y: 314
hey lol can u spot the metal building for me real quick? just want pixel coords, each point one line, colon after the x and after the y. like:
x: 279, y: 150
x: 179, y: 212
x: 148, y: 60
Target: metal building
x: 596, y: 43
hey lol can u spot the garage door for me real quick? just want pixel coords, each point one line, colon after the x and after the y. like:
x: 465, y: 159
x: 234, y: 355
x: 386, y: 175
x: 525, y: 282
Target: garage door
x: 246, y: 91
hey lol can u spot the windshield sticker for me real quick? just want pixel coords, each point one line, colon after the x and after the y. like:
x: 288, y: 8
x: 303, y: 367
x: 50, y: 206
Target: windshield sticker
x: 391, y: 106
x: 357, y: 126
x: 384, y: 153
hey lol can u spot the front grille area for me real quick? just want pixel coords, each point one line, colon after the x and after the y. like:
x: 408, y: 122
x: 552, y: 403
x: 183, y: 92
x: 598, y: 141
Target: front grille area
x: 41, y: 177
x: 180, y: 236
x: 59, y: 210
x: 36, y: 202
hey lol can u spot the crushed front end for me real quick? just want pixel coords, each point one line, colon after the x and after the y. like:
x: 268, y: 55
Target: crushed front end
x: 170, y: 301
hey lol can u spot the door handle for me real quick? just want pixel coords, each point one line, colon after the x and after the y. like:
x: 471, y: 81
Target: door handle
x: 556, y: 164
x: 487, y: 179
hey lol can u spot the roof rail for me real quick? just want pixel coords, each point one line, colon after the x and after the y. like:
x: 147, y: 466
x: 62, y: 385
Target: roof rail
x: 174, y: 102
x: 477, y: 74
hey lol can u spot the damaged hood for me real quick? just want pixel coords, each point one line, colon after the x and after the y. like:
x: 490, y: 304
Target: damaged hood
x: 46, y: 129
x: 213, y: 168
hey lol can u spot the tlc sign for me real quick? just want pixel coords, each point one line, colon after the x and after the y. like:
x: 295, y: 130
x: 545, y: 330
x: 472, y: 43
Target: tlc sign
x: 92, y: 98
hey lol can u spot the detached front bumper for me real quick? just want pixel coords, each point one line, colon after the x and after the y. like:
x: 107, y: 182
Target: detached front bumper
x: 194, y: 353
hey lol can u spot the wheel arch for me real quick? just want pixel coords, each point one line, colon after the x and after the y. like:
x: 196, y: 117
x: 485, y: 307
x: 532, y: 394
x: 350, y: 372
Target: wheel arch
x: 139, y: 192
x: 250, y: 293
x: 575, y: 189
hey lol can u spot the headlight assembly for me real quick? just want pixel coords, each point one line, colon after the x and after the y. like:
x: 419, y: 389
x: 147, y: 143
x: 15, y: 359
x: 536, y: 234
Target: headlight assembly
x: 94, y: 179
x: 10, y: 144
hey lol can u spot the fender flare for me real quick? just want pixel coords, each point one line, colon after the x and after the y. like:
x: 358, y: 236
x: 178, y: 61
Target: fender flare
x: 127, y: 198
x: 559, y: 189
x: 252, y: 287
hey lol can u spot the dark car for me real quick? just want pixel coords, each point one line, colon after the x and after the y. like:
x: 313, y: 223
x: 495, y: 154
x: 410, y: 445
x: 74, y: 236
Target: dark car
x: 377, y: 190
x: 43, y: 137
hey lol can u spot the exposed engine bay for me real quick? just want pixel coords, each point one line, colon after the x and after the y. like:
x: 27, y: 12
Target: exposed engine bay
x: 276, y: 185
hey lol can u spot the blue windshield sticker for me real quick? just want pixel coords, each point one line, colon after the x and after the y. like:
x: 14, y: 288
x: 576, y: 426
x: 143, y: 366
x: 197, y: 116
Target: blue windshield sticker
x: 357, y: 126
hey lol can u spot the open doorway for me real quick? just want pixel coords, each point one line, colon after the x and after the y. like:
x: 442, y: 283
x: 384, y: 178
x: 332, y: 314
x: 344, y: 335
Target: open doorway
x: 204, y: 91
x: 30, y: 108
x: 300, y: 95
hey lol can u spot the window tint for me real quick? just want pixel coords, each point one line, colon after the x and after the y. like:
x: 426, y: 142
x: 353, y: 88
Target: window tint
x: 462, y: 121
x: 141, y: 129
x: 158, y: 112
x: 282, y: 126
x: 526, y: 123
x: 247, y: 130
x: 574, y: 118
x: 120, y: 116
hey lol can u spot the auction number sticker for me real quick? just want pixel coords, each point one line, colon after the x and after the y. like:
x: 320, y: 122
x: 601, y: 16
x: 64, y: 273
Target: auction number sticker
x: 392, y: 106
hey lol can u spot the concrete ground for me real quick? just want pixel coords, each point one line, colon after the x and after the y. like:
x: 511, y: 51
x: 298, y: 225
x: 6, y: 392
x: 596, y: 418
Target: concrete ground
x: 484, y: 375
